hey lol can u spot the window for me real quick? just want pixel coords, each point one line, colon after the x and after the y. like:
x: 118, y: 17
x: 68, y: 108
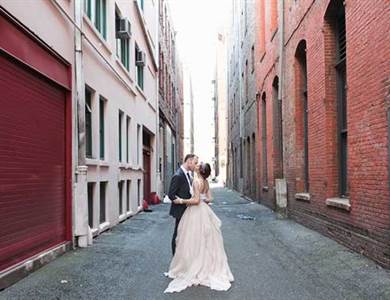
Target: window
x: 128, y: 190
x: 120, y: 198
x: 88, y: 8
x: 141, y: 4
x: 243, y: 96
x: 246, y: 82
x: 253, y: 58
x: 140, y: 63
x: 241, y: 161
x: 103, y: 188
x: 234, y: 107
x: 122, y: 45
x: 96, y: 10
x: 120, y: 119
x: 249, y: 160
x: 139, y: 191
x: 88, y: 123
x: 161, y: 71
x: 302, y: 137
x: 127, y: 139
x: 91, y: 187
x: 337, y: 115
x: 264, y: 139
x: 173, y: 96
x: 277, y: 129
x: 138, y: 143
x: 102, y: 128
x: 101, y: 17
x: 342, y: 102
x: 253, y: 164
x: 173, y: 166
x: 235, y: 168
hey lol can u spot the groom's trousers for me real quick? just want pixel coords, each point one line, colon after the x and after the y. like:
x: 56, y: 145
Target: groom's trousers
x: 174, y: 236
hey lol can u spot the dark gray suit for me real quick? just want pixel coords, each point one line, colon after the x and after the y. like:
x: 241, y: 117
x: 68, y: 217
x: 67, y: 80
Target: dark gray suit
x: 179, y: 187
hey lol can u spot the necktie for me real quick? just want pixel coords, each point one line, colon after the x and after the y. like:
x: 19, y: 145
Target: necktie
x: 189, y: 178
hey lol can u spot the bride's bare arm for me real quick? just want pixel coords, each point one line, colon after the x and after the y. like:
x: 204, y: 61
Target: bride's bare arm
x: 195, y: 200
x: 209, y: 197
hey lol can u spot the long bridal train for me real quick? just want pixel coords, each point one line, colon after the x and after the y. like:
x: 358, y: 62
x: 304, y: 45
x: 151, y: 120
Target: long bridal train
x: 200, y: 257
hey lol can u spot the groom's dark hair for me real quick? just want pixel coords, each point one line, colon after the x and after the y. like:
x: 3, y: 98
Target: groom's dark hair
x: 189, y: 156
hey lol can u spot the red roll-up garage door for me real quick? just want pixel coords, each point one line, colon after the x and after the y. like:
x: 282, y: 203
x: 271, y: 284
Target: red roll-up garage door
x: 32, y: 162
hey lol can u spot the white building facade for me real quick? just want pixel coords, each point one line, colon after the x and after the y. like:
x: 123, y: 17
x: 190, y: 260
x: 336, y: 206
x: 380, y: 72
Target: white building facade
x: 85, y: 73
x: 121, y: 108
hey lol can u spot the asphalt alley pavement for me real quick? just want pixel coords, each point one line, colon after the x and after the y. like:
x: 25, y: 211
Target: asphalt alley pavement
x: 271, y: 258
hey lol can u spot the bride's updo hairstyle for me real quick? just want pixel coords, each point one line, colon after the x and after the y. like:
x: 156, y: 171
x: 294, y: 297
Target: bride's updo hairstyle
x: 205, y: 170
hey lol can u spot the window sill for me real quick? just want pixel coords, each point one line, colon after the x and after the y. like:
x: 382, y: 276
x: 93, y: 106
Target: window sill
x: 123, y: 165
x: 137, y: 168
x: 104, y: 226
x: 152, y: 107
x: 302, y: 197
x: 127, y: 166
x: 95, y: 231
x: 98, y: 35
x: 129, y: 214
x: 104, y: 163
x: 96, y: 162
x: 91, y: 161
x: 141, y: 92
x: 123, y: 68
x: 122, y: 217
x: 341, y: 203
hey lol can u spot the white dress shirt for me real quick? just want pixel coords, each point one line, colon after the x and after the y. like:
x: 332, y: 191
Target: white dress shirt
x: 188, y: 181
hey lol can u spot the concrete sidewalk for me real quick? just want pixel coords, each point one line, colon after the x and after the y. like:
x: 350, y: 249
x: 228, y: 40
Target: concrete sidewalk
x: 270, y: 259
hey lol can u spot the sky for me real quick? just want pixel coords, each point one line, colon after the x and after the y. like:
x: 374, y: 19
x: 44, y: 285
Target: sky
x: 197, y: 23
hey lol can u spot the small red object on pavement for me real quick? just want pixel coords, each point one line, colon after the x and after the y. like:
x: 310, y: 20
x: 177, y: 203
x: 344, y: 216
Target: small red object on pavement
x: 154, y: 198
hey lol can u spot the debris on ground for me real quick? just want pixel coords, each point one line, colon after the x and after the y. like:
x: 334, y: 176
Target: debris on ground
x: 245, y: 217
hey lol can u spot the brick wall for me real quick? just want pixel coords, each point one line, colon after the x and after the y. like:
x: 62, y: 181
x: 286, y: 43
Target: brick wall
x: 365, y: 227
x: 267, y: 73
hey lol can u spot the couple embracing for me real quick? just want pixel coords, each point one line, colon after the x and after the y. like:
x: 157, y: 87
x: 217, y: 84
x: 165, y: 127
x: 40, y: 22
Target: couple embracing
x: 199, y: 256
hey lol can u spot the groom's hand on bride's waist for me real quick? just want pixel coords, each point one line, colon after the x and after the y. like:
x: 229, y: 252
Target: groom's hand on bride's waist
x: 177, y: 201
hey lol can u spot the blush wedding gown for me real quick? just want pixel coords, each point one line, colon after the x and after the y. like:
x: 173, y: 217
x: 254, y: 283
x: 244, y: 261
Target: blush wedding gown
x: 200, y: 257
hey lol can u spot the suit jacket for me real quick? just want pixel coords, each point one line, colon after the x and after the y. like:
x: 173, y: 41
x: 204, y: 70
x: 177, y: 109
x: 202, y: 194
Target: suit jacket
x: 179, y: 187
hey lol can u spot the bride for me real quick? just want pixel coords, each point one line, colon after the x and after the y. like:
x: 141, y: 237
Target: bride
x: 200, y: 257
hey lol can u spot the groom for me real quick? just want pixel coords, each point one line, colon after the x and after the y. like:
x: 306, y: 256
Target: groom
x: 181, y: 186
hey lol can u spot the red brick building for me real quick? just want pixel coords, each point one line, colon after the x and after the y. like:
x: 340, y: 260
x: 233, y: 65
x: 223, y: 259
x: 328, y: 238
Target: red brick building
x: 326, y: 132
x: 269, y: 112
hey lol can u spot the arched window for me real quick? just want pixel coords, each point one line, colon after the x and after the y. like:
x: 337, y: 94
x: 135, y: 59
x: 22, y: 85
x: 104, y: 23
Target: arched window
x: 335, y: 60
x: 264, y: 140
x: 248, y: 163
x: 277, y: 129
x: 301, y: 111
x: 253, y: 166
